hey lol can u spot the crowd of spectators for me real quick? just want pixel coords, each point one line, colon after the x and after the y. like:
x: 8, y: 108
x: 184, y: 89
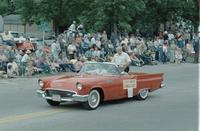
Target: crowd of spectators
x: 71, y: 49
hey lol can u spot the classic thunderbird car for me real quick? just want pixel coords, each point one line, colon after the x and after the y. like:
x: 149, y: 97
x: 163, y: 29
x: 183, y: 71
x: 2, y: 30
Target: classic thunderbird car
x: 98, y: 82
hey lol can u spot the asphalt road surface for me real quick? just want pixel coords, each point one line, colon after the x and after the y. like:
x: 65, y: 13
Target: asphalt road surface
x: 173, y: 108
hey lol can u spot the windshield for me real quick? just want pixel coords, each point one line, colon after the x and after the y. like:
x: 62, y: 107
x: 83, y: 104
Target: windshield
x: 100, y: 69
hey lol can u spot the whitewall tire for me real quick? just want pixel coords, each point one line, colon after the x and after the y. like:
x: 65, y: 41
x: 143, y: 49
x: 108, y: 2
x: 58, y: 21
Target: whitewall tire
x: 93, y: 100
x: 143, y: 94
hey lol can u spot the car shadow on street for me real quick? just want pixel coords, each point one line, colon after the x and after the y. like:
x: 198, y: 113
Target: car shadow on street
x: 71, y: 105
x: 79, y: 106
x: 133, y: 100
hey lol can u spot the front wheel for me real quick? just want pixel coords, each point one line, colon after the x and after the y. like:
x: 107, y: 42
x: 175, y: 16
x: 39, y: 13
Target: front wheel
x: 143, y: 94
x: 93, y: 100
x: 53, y: 103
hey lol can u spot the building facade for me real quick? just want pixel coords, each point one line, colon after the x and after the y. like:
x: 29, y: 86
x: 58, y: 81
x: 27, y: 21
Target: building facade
x: 15, y: 23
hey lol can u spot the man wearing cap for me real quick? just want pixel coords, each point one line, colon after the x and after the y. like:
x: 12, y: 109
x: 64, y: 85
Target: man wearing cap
x: 122, y: 59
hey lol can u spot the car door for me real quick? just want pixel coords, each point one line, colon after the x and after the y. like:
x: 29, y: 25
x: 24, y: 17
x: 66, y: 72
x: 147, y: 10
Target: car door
x: 113, y: 88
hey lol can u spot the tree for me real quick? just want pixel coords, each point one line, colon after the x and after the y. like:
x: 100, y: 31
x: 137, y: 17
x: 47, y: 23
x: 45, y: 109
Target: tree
x: 115, y: 15
x: 190, y: 11
x: 160, y: 11
x: 6, y: 7
x: 28, y: 9
x: 61, y: 12
x: 110, y: 15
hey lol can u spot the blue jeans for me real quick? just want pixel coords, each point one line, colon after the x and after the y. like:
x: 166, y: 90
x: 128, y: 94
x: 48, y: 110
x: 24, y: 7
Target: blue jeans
x: 45, y: 68
x: 160, y: 55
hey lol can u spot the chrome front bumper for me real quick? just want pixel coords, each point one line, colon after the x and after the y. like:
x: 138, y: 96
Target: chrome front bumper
x: 162, y: 85
x: 74, y: 97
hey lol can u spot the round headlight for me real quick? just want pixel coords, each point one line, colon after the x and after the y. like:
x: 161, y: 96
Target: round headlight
x: 79, y: 86
x: 41, y: 83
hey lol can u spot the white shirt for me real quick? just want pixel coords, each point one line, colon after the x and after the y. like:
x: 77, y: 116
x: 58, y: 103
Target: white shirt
x: 171, y: 36
x: 93, y: 41
x: 71, y: 48
x: 96, y: 53
x: 165, y: 48
x: 7, y: 37
x: 72, y: 27
x: 121, y: 59
x: 156, y: 43
x: 25, y: 58
x: 55, y: 48
x: 14, y: 66
x: 178, y: 54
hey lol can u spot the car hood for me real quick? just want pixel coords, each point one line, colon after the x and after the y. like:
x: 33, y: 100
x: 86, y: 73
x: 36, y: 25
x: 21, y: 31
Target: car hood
x: 69, y: 82
x: 66, y: 83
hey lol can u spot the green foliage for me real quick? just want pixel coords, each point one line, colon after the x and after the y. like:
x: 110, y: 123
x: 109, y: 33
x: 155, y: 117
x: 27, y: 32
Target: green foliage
x: 6, y: 7
x: 160, y: 11
x: 28, y: 10
x: 3, y: 6
x: 104, y: 14
x: 61, y: 12
x: 111, y: 15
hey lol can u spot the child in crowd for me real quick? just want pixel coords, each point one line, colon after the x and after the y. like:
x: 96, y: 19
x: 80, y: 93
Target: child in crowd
x: 15, y: 68
x: 178, y: 55
x: 10, y: 72
x: 12, y: 69
x: 30, y: 67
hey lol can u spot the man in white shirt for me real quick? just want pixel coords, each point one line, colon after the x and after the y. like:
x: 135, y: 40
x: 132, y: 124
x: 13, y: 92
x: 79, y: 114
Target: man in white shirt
x: 71, y: 50
x: 55, y: 50
x: 6, y: 36
x: 26, y: 57
x: 73, y: 27
x: 122, y: 59
x: 8, y: 39
x: 171, y: 36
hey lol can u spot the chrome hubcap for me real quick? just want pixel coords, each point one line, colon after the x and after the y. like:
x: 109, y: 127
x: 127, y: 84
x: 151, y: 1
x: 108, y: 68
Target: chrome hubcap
x: 144, y: 93
x: 94, y: 99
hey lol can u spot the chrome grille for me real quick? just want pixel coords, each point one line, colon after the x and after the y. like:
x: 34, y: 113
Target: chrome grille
x: 58, y: 92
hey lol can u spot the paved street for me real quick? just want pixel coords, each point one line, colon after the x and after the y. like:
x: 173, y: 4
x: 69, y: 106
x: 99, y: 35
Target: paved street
x: 173, y: 108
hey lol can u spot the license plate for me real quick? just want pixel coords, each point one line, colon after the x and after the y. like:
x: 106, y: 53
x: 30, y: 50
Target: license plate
x: 56, y: 98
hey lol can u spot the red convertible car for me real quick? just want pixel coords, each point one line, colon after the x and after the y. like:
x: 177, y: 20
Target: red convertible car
x: 98, y: 82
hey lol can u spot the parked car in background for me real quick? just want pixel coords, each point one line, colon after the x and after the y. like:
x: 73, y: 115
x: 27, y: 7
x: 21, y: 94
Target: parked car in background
x: 19, y: 37
x: 34, y: 39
